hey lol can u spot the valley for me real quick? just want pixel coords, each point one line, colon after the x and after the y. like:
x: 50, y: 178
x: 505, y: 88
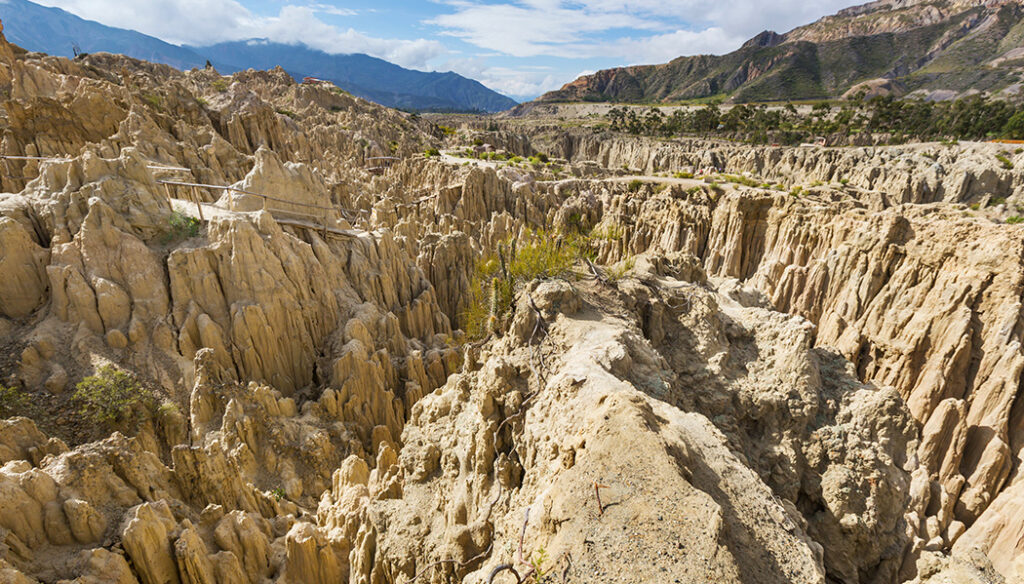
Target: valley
x: 256, y: 330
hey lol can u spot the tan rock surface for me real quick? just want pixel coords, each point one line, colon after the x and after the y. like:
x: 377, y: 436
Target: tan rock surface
x: 764, y: 388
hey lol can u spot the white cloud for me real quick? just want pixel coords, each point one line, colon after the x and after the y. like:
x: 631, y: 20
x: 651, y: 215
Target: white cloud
x: 638, y: 30
x: 202, y: 22
x: 521, y: 82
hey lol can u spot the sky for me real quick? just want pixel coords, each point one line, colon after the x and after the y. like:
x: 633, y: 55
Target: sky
x: 521, y: 48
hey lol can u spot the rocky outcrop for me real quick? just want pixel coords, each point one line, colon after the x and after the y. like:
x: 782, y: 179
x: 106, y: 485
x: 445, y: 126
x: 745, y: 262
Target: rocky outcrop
x: 732, y: 383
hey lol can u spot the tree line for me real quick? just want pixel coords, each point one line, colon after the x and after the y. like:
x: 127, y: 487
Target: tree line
x: 899, y: 120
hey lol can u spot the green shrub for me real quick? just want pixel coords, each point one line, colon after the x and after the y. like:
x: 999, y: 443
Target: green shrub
x: 219, y: 85
x: 683, y: 175
x: 1015, y: 220
x: 996, y: 201
x: 742, y: 180
x: 634, y: 185
x: 431, y: 152
x: 542, y: 157
x: 13, y: 402
x: 496, y: 281
x: 446, y: 130
x: 153, y: 100
x: 181, y: 226
x: 1004, y: 162
x: 975, y: 206
x: 113, y: 397
x: 286, y: 112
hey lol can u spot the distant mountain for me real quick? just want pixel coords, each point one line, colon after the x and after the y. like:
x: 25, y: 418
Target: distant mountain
x: 938, y: 48
x: 56, y: 32
x: 365, y: 76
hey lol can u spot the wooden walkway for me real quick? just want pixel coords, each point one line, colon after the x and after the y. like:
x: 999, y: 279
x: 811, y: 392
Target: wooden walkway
x: 198, y: 209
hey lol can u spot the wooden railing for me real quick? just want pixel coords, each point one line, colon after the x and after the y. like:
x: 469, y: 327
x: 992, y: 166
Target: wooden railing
x: 323, y: 226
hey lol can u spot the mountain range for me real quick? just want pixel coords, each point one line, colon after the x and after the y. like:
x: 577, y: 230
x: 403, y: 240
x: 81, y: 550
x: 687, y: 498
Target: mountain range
x: 57, y: 32
x: 934, y: 48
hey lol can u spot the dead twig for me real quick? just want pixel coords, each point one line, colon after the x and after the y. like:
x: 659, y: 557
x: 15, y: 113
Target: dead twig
x: 596, y: 273
x: 501, y: 568
x: 597, y: 493
x: 522, y: 536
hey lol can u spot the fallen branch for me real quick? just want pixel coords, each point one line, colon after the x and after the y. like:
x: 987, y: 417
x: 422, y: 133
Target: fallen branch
x: 596, y: 273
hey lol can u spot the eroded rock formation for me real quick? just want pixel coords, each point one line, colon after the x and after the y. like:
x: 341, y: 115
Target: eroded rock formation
x: 737, y: 383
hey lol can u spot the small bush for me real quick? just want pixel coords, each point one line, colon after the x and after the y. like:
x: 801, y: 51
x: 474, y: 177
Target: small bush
x: 289, y: 113
x: 153, y: 100
x: 446, y: 130
x: 619, y: 270
x: 1004, y: 162
x: 181, y: 226
x: 634, y: 185
x: 742, y: 180
x: 113, y: 397
x: 1016, y: 219
x: 219, y: 85
x: 543, y: 157
x: 996, y: 201
x: 496, y: 282
x: 13, y: 402
x: 975, y: 206
x: 431, y: 152
x: 683, y: 175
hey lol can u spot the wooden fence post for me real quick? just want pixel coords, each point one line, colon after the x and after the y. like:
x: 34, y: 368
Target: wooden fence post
x: 199, y: 204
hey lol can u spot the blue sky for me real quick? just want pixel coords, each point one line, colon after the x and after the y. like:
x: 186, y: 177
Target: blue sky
x: 518, y: 47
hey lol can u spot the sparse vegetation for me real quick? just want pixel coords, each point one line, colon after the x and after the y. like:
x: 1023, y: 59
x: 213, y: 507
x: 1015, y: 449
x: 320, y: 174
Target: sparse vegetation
x: 113, y: 397
x: 539, y: 572
x: 635, y: 185
x: 219, y: 85
x: 181, y: 226
x: 153, y: 100
x: 1005, y: 162
x: 619, y: 270
x: 429, y: 152
x: 499, y: 277
x: 1015, y: 219
x: 286, y: 112
x: 13, y: 402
